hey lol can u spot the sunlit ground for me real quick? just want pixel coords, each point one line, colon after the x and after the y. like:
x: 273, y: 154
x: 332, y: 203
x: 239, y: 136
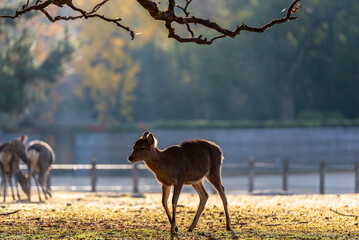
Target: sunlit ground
x: 117, y: 216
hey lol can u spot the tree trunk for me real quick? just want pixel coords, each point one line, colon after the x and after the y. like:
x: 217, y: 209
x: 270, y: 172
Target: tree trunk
x: 288, y: 72
x: 286, y: 101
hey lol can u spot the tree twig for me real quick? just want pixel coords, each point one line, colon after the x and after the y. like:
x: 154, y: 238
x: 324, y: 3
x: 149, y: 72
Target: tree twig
x: 167, y: 16
x: 344, y: 214
x: 9, y: 213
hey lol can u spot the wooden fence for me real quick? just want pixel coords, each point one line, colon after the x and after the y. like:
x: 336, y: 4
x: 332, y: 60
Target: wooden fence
x: 252, y: 165
x: 285, y: 172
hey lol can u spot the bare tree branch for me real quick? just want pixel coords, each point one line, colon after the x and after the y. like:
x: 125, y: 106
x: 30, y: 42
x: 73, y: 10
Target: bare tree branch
x: 343, y: 214
x: 168, y: 17
x: 9, y: 213
x: 42, y: 5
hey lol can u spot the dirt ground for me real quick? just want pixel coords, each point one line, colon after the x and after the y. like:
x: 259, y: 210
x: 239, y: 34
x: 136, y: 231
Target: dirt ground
x: 78, y: 215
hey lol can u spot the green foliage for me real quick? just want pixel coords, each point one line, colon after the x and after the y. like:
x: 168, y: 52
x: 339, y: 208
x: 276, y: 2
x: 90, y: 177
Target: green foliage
x: 51, y: 69
x: 16, y: 70
x: 21, y: 73
x: 307, y: 65
x: 205, y: 124
x: 303, y: 70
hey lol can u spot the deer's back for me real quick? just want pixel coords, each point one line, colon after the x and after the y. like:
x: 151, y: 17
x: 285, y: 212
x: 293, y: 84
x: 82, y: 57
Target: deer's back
x: 202, y: 151
x: 43, y: 150
x: 192, y: 160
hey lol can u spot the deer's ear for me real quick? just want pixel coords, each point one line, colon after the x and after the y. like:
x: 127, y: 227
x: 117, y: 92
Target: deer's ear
x: 151, y: 140
x: 23, y: 139
x: 145, y: 134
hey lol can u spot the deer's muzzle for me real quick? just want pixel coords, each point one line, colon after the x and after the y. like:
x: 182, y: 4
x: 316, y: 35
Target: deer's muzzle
x: 130, y: 158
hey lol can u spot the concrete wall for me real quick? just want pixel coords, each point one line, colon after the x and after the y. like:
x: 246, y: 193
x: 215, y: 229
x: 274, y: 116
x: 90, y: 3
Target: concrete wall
x: 338, y: 145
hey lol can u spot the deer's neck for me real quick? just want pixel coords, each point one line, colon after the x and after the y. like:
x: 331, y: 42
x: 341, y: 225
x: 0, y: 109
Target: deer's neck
x: 155, y: 162
x: 159, y: 165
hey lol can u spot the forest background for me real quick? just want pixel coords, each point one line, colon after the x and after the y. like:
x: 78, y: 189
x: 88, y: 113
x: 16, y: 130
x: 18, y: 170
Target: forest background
x: 303, y: 70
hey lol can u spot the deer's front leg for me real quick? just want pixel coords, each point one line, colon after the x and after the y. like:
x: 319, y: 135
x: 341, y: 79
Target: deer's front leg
x: 176, y: 192
x: 4, y: 185
x: 12, y: 190
x: 165, y: 194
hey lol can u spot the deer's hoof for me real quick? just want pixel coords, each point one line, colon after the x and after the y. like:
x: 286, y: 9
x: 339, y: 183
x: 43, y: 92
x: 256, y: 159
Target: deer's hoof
x: 174, y: 230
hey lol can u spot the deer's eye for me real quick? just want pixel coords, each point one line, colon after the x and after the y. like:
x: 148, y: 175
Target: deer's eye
x: 142, y: 148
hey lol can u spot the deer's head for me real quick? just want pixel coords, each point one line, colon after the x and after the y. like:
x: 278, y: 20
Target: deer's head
x: 144, y: 148
x: 18, y: 146
x: 23, y: 180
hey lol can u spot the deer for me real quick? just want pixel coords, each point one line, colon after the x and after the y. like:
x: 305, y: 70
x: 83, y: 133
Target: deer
x: 41, y: 156
x: 185, y: 164
x: 9, y: 167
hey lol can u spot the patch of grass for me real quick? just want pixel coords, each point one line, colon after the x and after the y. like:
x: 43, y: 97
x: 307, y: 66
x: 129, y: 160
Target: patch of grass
x: 102, y: 216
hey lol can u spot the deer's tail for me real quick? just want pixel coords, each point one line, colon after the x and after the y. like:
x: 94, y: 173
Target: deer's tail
x: 217, y: 154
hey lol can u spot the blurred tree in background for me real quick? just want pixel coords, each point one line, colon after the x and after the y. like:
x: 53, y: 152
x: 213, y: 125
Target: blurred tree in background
x: 106, y: 68
x: 108, y: 73
x: 26, y: 67
x: 303, y: 70
x: 306, y: 69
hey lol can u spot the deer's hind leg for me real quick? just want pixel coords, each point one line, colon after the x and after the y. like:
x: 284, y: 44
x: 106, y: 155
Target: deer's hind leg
x: 203, y: 197
x: 37, y: 185
x: 214, y: 178
x: 42, y: 181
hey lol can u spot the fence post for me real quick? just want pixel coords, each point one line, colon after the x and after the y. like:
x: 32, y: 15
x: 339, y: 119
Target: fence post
x: 135, y: 178
x: 285, y: 175
x: 251, y: 174
x: 357, y: 177
x: 93, y: 175
x: 322, y: 177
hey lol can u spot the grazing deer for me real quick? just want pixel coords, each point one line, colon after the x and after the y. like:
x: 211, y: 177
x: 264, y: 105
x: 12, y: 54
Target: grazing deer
x: 41, y: 157
x: 187, y: 163
x: 10, y: 166
x: 17, y: 148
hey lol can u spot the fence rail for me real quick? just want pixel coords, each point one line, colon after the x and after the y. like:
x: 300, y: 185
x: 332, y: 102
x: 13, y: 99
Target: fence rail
x: 98, y: 166
x: 285, y: 166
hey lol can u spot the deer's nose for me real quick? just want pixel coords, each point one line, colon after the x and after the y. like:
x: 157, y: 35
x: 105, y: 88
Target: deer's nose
x: 130, y: 158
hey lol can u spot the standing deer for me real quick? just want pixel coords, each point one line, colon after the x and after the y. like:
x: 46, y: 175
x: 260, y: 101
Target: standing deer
x: 187, y: 163
x: 41, y: 157
x: 10, y: 166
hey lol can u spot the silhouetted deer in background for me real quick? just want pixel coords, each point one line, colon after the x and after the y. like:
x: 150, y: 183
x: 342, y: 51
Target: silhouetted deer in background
x: 41, y: 157
x: 187, y: 163
x: 10, y: 166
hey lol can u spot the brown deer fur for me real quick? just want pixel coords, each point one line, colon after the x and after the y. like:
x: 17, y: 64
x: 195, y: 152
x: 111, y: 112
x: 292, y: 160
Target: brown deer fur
x: 41, y: 157
x: 187, y: 163
x: 9, y: 167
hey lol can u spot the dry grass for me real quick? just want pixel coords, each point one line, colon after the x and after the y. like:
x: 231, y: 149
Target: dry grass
x: 115, y: 216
